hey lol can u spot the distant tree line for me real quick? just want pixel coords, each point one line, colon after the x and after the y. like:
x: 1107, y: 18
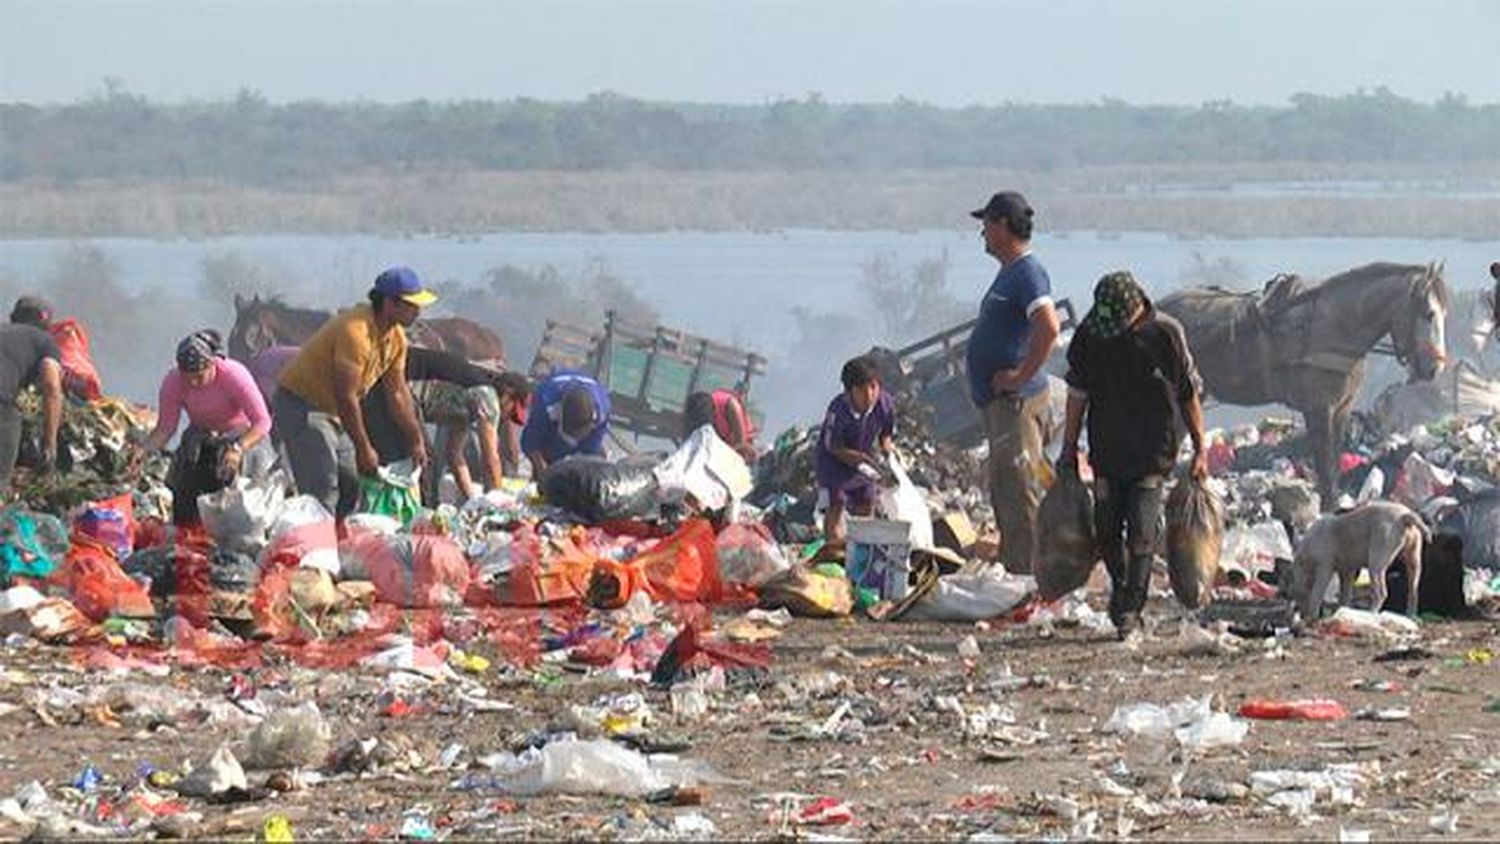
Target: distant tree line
x: 116, y: 134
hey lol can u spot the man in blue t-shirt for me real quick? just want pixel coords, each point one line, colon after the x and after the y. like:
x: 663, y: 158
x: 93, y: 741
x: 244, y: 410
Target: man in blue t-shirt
x: 1015, y: 333
x: 569, y: 415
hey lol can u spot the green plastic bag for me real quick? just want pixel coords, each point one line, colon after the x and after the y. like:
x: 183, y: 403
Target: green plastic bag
x: 30, y: 544
x: 393, y: 492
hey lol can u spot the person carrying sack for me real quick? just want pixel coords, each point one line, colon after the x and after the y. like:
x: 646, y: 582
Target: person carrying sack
x: 1130, y: 373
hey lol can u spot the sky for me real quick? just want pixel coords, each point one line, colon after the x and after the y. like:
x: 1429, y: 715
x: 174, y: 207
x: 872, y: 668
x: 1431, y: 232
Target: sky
x: 945, y: 52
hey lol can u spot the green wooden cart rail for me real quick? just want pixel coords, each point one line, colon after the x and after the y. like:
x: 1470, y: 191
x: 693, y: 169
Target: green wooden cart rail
x: 649, y: 371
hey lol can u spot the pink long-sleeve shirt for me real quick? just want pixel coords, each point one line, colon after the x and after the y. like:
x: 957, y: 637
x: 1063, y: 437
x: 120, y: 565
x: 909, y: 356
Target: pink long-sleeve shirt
x: 230, y: 402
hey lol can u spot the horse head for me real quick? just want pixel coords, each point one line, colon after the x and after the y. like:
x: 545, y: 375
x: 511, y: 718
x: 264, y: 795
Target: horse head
x: 250, y: 335
x: 1419, y: 329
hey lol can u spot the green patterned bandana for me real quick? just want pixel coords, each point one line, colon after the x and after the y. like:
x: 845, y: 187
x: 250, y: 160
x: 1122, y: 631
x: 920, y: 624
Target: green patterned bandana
x: 1116, y: 298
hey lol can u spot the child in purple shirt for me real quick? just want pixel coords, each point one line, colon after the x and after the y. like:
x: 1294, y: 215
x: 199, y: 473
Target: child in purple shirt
x: 857, y: 431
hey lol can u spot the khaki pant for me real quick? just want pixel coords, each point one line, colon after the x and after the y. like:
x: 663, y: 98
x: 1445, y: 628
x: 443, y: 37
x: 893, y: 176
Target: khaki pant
x: 1018, y: 430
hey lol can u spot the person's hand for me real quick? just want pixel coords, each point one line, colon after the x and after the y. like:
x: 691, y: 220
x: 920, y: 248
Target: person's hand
x: 230, y: 463
x: 1067, y: 460
x: 419, y: 456
x: 1006, y: 381
x: 49, y: 462
x: 366, y: 461
x: 1200, y: 465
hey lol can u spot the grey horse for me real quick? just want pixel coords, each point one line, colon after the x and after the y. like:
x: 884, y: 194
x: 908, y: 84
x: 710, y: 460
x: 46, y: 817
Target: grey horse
x: 1305, y: 345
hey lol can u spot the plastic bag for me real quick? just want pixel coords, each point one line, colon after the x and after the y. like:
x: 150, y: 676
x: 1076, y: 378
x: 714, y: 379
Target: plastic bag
x: 186, y: 570
x: 394, y: 492
x: 905, y: 502
x: 31, y: 544
x: 98, y: 586
x: 808, y: 593
x: 298, y: 737
x: 1195, y: 527
x: 681, y: 568
x: 706, y: 468
x: 411, y: 571
x: 240, y: 516
x: 80, y: 376
x: 592, y: 767
x: 304, y: 534
x: 748, y: 554
x: 1067, y: 550
x: 972, y: 595
x: 1252, y: 549
x: 597, y: 490
x: 111, y: 522
x: 1420, y: 481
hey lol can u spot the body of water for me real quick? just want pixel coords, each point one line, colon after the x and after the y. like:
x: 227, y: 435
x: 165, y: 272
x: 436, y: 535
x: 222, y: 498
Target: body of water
x: 736, y: 287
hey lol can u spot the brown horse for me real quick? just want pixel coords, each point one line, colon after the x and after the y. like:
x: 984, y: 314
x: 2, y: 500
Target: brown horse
x: 1305, y: 345
x: 262, y: 323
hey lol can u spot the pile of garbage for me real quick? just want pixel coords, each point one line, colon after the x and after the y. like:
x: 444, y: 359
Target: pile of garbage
x: 99, y: 453
x: 660, y: 584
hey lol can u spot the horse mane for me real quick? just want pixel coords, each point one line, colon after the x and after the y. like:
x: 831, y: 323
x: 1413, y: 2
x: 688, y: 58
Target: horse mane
x: 1383, y: 269
x: 275, y: 301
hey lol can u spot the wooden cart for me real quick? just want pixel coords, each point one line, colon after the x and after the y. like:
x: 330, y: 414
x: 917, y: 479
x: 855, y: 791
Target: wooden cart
x: 649, y: 372
x: 933, y: 369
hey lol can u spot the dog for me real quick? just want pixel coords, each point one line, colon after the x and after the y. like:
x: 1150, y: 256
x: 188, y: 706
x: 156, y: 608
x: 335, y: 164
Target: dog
x: 1372, y: 537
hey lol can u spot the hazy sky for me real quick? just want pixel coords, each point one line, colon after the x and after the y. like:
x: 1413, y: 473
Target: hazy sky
x: 951, y: 52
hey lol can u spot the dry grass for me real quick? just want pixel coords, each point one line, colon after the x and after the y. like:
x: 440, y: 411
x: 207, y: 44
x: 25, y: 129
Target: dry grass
x: 1104, y: 198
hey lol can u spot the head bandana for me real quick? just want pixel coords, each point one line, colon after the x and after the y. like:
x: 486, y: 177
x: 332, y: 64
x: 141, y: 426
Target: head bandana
x: 196, y: 352
x: 1116, y: 298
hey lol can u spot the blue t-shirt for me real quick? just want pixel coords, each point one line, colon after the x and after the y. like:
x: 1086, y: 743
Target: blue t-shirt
x: 544, y: 417
x: 1004, y: 327
x: 843, y: 428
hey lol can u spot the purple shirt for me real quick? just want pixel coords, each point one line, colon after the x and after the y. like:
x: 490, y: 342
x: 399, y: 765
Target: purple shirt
x: 843, y: 428
x: 267, y: 365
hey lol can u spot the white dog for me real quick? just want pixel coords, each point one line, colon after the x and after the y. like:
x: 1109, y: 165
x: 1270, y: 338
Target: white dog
x: 1372, y: 537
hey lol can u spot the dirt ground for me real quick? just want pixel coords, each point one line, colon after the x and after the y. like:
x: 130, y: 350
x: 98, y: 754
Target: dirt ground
x: 898, y: 757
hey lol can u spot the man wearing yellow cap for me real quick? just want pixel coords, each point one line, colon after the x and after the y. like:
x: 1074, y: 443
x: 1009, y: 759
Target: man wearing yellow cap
x: 316, y: 409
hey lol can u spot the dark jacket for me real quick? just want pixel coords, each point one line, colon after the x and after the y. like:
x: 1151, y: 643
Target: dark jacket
x: 1136, y: 384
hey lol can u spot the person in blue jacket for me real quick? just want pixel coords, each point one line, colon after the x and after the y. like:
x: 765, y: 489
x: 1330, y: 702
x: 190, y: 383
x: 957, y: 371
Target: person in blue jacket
x: 569, y: 415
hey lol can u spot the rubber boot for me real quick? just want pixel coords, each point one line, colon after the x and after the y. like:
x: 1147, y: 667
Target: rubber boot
x: 1137, y: 589
x: 1119, y: 597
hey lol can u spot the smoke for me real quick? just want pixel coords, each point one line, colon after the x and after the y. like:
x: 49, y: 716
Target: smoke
x: 134, y: 330
x: 132, y: 334
x: 517, y: 303
x: 895, y: 305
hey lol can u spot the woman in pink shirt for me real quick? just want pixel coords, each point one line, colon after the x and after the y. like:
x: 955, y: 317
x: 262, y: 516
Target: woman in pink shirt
x: 227, y: 423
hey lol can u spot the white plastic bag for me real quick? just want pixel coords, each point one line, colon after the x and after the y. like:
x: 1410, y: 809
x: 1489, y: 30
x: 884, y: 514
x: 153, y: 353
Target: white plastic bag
x: 707, y: 468
x: 973, y: 596
x: 239, y: 517
x: 290, y: 738
x: 1420, y: 481
x: 1215, y: 731
x: 305, y: 529
x: 905, y: 503
x: 592, y: 767
x: 1250, y: 550
x: 749, y: 554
